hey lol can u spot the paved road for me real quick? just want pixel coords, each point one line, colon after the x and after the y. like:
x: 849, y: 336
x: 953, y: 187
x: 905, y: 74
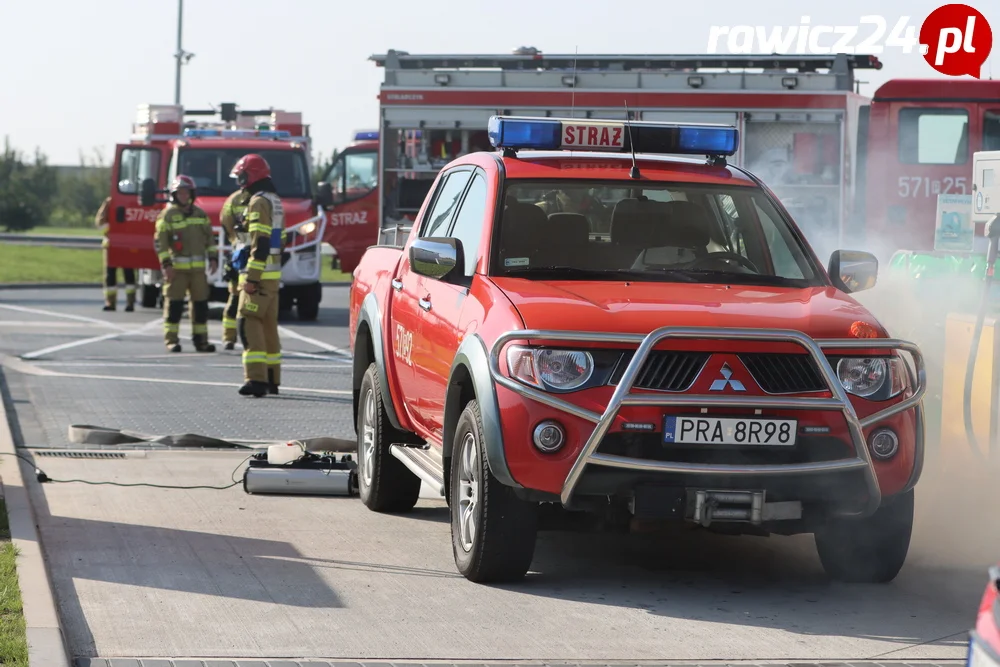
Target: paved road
x: 172, y: 573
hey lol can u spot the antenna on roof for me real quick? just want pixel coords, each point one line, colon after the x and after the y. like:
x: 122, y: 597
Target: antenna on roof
x: 572, y: 104
x: 634, y: 173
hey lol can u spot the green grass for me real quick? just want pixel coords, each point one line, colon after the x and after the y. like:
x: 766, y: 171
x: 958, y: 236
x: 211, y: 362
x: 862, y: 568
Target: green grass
x: 13, y: 639
x: 45, y: 264
x: 61, y: 231
x: 330, y: 275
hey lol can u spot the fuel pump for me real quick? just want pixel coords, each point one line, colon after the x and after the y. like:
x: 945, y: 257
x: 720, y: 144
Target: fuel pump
x: 992, y: 449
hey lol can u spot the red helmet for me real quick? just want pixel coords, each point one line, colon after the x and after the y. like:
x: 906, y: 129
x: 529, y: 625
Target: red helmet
x: 183, y: 181
x: 250, y: 169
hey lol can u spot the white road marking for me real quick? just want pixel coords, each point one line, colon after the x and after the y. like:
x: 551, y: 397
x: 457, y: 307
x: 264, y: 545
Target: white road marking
x: 47, y: 324
x: 285, y: 331
x: 95, y: 339
x: 31, y: 369
x: 67, y: 316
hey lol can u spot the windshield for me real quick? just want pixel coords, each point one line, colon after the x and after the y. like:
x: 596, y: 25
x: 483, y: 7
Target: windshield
x: 210, y: 167
x: 672, y: 232
x: 354, y: 174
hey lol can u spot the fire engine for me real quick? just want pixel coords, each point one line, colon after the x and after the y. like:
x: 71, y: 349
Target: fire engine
x: 799, y: 128
x: 168, y: 140
x: 855, y: 171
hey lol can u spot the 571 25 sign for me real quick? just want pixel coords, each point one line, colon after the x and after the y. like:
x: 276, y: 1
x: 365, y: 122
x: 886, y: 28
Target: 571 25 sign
x: 924, y: 186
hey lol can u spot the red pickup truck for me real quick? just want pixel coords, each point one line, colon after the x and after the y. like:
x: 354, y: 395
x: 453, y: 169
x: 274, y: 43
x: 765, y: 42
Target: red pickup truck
x: 594, y: 318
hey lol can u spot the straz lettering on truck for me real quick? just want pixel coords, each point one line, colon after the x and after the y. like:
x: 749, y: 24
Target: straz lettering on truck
x: 349, y: 218
x: 141, y: 214
x: 924, y: 186
x: 584, y: 136
x: 402, y: 344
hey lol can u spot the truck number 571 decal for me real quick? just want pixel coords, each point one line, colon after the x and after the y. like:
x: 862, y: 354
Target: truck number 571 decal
x: 402, y: 344
x: 923, y: 186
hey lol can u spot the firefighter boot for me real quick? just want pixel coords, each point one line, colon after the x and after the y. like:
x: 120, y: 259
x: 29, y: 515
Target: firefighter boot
x: 172, y: 325
x: 272, y: 386
x: 110, y: 299
x: 199, y: 327
x: 254, y: 388
x: 130, y: 298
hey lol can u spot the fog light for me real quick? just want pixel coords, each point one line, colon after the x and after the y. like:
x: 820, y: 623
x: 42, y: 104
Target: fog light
x: 883, y: 443
x: 549, y: 436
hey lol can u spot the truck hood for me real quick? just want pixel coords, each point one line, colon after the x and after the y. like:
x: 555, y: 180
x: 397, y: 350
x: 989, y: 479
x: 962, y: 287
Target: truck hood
x: 296, y: 210
x: 631, y: 307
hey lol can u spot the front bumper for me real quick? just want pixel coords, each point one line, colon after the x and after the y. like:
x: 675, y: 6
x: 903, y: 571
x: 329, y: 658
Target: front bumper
x: 629, y: 468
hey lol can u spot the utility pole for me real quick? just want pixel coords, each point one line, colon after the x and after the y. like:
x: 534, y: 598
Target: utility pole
x: 182, y: 56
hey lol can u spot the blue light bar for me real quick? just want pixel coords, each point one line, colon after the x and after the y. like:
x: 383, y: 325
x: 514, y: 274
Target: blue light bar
x: 275, y: 134
x: 517, y: 132
x: 195, y: 133
x: 366, y: 135
x: 239, y: 134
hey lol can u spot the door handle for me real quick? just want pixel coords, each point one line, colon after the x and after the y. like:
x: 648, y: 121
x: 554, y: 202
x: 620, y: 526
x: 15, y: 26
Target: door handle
x: 397, y: 284
x: 425, y: 303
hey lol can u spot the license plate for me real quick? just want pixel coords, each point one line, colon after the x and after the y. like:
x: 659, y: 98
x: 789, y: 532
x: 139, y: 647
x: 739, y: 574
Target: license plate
x: 729, y: 431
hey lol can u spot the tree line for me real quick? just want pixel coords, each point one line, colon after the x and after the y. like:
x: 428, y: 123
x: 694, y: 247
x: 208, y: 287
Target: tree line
x: 34, y: 193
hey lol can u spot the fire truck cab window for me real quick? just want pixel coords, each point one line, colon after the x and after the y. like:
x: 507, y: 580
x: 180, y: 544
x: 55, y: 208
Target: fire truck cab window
x: 354, y: 175
x: 933, y: 136
x: 210, y: 168
x: 991, y: 131
x: 136, y: 165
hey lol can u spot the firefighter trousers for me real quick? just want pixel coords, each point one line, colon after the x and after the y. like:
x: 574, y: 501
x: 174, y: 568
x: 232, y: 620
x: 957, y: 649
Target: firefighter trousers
x: 258, y: 328
x: 186, y: 282
x: 111, y: 284
x: 230, y: 313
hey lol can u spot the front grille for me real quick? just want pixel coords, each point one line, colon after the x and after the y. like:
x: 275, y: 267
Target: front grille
x: 650, y: 446
x: 784, y: 373
x: 665, y: 370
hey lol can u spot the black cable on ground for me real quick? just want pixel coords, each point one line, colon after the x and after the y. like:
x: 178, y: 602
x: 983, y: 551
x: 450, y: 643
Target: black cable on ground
x: 42, y: 478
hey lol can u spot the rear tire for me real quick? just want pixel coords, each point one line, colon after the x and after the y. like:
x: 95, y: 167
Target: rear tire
x: 384, y: 483
x: 492, y: 530
x: 308, y: 308
x: 870, y: 550
x: 149, y: 296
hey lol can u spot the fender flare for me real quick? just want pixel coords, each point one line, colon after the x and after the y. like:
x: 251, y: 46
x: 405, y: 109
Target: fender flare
x: 473, y: 359
x: 371, y: 316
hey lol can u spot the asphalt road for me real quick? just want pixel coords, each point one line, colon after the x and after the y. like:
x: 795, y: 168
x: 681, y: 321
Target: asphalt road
x: 171, y: 573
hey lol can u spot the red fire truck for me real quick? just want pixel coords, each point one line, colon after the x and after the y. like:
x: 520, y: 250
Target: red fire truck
x: 799, y: 128
x: 168, y: 140
x: 855, y: 171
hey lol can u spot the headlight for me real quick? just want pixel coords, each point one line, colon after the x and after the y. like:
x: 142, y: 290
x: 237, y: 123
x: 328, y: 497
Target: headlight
x: 307, y: 228
x: 874, y: 378
x: 561, y: 370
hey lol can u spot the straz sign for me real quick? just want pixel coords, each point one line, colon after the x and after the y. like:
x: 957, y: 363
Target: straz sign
x: 349, y: 218
x: 610, y: 136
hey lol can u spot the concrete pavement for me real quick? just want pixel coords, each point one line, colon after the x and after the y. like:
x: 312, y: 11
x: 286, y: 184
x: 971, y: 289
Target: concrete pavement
x: 173, y: 573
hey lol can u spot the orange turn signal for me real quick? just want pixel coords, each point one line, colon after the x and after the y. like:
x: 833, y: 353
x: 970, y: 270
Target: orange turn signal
x: 863, y: 330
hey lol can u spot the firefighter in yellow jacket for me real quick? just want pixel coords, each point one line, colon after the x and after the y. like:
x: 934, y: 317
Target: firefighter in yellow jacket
x: 233, y: 221
x: 259, y: 263
x: 102, y: 222
x: 184, y: 240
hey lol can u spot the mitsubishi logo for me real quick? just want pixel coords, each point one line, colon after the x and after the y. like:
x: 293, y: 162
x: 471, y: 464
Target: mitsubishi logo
x: 727, y: 374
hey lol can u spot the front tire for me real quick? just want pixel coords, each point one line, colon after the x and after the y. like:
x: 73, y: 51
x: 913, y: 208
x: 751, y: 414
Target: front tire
x: 870, y: 550
x: 492, y: 530
x: 384, y: 483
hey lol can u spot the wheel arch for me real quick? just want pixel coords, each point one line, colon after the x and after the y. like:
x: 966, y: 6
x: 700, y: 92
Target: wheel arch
x: 469, y: 379
x: 368, y: 349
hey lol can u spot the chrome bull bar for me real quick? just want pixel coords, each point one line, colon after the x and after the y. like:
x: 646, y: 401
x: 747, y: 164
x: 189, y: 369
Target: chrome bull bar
x: 623, y: 396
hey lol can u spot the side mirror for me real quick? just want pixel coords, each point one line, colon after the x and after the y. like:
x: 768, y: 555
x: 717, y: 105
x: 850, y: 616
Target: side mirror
x: 324, y: 194
x: 853, y: 270
x: 147, y: 192
x: 437, y: 257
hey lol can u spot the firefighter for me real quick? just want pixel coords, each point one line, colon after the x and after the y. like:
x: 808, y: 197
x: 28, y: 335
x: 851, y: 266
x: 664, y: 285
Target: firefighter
x: 102, y: 222
x: 260, y: 278
x: 233, y: 222
x: 184, y: 239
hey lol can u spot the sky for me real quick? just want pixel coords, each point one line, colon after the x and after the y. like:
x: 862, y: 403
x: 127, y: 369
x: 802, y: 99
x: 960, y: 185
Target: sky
x: 73, y: 72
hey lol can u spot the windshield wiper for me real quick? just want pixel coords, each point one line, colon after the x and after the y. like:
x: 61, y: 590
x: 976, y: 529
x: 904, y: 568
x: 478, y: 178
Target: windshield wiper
x: 598, y: 274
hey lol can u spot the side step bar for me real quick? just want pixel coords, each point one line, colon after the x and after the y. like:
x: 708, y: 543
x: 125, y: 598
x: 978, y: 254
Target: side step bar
x: 424, y: 462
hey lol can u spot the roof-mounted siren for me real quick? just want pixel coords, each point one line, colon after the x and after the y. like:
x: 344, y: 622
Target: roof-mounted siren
x: 513, y: 133
x: 152, y: 119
